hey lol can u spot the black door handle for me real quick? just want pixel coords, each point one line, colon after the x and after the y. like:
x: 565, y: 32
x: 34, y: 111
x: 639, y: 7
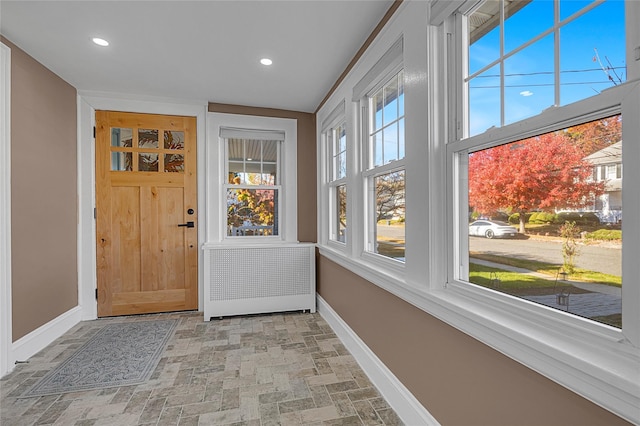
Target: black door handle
x: 188, y: 224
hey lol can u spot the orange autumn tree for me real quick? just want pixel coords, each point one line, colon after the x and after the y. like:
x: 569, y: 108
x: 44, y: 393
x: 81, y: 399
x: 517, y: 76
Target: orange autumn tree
x: 596, y: 135
x: 540, y: 173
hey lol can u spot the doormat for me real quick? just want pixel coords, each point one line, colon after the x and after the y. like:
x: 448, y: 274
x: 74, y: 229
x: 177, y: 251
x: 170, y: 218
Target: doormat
x: 120, y: 354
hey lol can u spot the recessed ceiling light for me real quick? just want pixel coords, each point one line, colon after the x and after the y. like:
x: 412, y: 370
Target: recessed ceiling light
x: 100, y: 41
x: 266, y: 61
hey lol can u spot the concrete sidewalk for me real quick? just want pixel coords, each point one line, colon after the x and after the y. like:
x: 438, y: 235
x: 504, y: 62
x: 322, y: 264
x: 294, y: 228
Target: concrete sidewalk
x: 603, y: 299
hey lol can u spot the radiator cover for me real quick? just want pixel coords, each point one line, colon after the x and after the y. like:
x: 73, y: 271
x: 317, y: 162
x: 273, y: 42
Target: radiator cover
x: 258, y: 279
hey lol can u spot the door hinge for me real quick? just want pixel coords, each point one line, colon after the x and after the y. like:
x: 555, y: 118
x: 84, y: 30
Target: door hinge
x: 95, y: 213
x: 94, y: 132
x: 96, y: 294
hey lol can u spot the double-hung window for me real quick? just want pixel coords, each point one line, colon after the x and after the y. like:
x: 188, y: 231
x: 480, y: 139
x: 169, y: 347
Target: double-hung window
x: 335, y: 137
x: 384, y: 169
x: 545, y: 111
x: 252, y: 187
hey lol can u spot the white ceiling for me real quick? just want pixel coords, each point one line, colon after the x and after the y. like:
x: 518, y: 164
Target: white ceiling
x: 197, y: 50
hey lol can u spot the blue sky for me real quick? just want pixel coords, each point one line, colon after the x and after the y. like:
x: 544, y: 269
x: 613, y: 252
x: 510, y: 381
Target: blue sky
x: 529, y: 74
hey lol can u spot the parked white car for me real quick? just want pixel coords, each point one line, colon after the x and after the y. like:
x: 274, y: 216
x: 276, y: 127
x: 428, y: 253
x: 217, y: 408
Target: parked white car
x: 492, y: 229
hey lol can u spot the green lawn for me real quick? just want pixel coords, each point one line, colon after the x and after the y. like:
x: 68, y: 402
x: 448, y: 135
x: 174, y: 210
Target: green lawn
x: 551, y: 269
x: 513, y: 283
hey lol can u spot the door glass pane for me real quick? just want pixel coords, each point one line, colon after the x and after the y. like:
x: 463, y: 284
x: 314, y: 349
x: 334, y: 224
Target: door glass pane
x: 122, y: 161
x: 174, y: 163
x: 542, y: 228
x: 173, y: 140
x: 121, y: 137
x: 147, y: 162
x: 147, y: 138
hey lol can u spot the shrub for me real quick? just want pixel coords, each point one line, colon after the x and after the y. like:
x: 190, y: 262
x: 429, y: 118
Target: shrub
x: 514, y: 219
x: 542, y: 217
x: 569, y: 233
x: 587, y: 218
x: 604, y: 235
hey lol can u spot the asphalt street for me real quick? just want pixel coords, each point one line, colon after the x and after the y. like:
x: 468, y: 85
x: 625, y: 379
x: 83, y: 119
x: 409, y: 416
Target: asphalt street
x: 606, y: 259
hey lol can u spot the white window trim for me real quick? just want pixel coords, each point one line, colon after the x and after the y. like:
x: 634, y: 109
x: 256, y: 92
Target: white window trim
x: 595, y: 361
x: 277, y: 186
x: 215, y: 178
x: 388, y: 67
x: 6, y: 339
x: 328, y: 187
x: 88, y: 103
x: 599, y: 362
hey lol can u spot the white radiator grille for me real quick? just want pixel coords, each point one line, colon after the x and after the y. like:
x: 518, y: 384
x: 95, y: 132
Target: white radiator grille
x: 249, y: 273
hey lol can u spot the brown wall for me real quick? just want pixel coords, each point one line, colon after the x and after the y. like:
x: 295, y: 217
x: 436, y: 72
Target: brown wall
x: 458, y: 379
x: 43, y: 194
x: 307, y: 211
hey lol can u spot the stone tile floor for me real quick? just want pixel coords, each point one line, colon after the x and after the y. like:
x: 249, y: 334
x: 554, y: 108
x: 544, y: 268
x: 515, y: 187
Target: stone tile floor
x: 279, y: 369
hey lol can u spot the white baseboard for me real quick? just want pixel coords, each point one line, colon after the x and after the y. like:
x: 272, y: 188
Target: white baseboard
x: 408, y: 408
x: 29, y: 345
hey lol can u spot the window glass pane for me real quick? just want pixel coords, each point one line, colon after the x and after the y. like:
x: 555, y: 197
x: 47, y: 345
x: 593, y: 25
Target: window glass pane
x: 147, y: 138
x: 390, y: 112
x: 401, y: 94
x: 147, y: 162
x: 173, y: 140
x: 593, y: 52
x: 252, y: 162
x: 484, y: 101
x: 340, y: 220
x: 549, y: 232
x: 484, y: 35
x: 529, y: 81
x: 252, y: 212
x: 390, y: 135
x: 390, y: 214
x: 401, y: 138
x: 376, y: 111
x: 122, y: 161
x: 377, y: 149
x: 121, y: 137
x: 525, y: 23
x: 569, y: 7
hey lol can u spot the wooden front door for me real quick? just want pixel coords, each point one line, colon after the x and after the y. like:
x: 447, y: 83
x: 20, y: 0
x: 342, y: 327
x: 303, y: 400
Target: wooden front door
x: 146, y: 213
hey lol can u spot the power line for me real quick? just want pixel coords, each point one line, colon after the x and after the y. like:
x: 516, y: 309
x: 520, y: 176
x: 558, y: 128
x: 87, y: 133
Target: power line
x: 525, y: 74
x: 541, y: 84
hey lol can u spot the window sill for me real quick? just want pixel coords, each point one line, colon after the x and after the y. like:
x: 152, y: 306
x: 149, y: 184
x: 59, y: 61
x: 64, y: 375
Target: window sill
x: 593, y: 360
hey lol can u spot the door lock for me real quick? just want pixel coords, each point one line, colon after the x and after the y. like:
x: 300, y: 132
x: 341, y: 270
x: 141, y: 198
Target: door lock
x: 188, y: 224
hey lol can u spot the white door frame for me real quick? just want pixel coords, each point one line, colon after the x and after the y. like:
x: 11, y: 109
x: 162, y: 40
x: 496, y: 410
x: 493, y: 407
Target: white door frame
x: 6, y: 323
x: 88, y: 103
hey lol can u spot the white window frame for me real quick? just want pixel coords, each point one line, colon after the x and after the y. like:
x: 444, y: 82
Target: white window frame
x: 216, y: 220
x: 334, y: 121
x: 277, y: 187
x: 600, y: 362
x: 370, y: 171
